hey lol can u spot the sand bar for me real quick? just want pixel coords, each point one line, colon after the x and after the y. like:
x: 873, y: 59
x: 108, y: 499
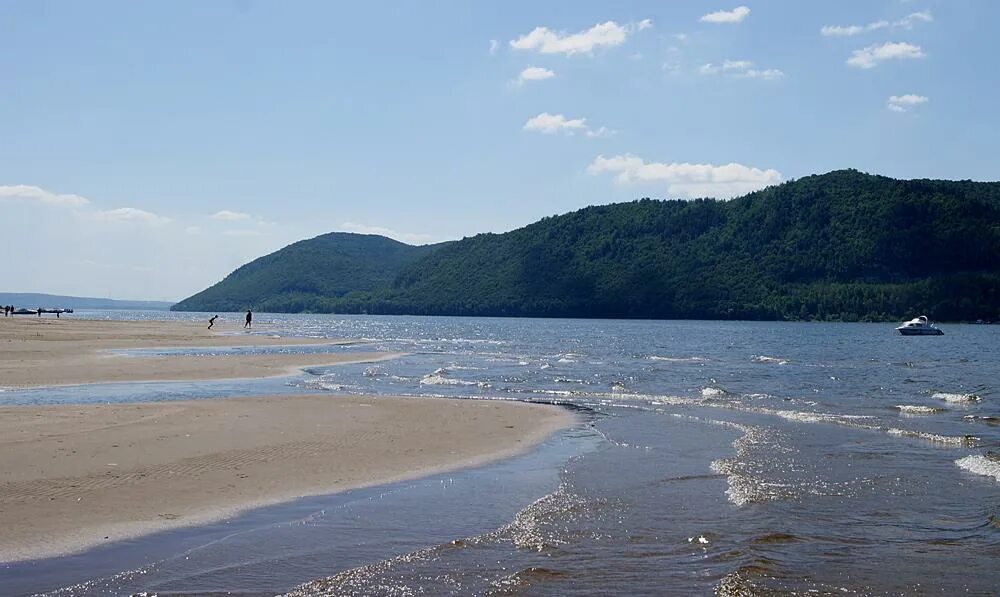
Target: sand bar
x: 46, y: 352
x: 74, y: 476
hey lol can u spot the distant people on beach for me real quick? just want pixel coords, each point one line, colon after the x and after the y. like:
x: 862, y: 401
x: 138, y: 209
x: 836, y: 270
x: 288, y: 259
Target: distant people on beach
x: 6, y: 310
x: 249, y: 323
x: 39, y: 311
x: 211, y: 321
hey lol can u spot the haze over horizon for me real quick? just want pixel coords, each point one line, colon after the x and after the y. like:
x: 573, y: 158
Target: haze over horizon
x: 149, y: 150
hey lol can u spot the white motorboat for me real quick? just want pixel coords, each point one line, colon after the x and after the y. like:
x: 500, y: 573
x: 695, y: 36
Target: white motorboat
x: 919, y: 327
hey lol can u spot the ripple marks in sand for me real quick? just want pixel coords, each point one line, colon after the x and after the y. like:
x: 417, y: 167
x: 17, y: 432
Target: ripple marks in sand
x: 67, y: 487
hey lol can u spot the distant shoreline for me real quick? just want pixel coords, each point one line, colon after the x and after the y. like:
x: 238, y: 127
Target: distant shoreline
x: 596, y: 318
x: 32, y: 300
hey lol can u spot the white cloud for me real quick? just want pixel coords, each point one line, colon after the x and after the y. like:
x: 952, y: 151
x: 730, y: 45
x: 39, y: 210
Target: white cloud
x: 534, y: 73
x: 156, y: 259
x: 902, y: 103
x: 494, y: 47
x: 912, y: 19
x: 726, y: 66
x: 906, y: 22
x: 130, y: 214
x: 406, y: 237
x: 687, y: 180
x: 557, y: 123
x: 554, y: 123
x: 735, y: 15
x: 742, y: 69
x: 31, y: 193
x: 768, y: 74
x: 602, y: 35
x: 601, y: 133
x: 873, y: 55
x: 851, y: 30
x: 229, y: 216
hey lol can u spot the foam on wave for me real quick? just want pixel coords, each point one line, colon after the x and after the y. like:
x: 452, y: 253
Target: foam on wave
x: 980, y: 465
x: 653, y: 357
x: 768, y: 360
x: 713, y: 393
x: 439, y: 379
x: 948, y: 440
x: 915, y: 409
x: 954, y: 397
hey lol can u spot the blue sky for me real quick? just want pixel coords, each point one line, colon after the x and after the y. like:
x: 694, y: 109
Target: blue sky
x: 147, y: 149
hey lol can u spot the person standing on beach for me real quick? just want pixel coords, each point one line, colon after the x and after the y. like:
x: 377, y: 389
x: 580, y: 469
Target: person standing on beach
x: 249, y: 323
x: 211, y: 321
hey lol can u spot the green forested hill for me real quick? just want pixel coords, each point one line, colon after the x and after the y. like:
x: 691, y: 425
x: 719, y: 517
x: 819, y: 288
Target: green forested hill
x: 843, y: 245
x: 308, y: 275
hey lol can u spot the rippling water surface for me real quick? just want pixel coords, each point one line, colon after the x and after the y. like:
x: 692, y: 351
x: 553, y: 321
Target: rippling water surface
x: 727, y: 457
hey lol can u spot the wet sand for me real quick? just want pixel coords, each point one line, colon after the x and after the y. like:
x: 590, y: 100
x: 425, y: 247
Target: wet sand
x: 75, y: 476
x: 46, y: 351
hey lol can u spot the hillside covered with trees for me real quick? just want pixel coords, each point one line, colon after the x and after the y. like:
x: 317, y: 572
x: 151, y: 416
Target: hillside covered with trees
x: 309, y: 275
x: 843, y: 245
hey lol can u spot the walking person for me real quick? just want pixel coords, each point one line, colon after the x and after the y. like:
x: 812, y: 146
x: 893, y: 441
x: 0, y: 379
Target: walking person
x: 249, y: 323
x: 211, y: 321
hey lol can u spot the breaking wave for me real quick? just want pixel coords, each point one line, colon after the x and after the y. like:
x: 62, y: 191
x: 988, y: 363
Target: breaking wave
x: 988, y: 419
x: 948, y: 440
x: 980, y: 465
x: 768, y: 360
x: 913, y: 409
x: 713, y: 393
x: 439, y: 378
x: 653, y: 357
x: 952, y: 397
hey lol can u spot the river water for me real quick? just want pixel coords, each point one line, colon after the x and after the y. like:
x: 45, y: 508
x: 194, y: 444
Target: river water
x: 734, y: 458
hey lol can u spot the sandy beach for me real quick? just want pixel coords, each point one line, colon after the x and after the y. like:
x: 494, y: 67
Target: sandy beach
x: 73, y: 476
x: 46, y: 352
